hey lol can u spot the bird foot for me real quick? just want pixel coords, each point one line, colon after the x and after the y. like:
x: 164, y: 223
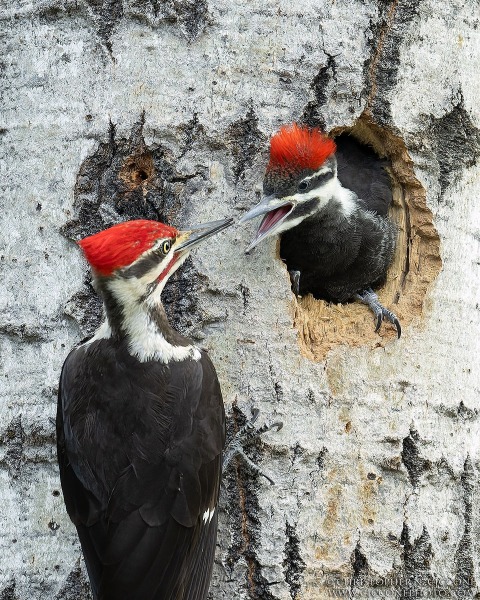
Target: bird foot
x: 295, y: 280
x: 244, y: 436
x: 381, y: 313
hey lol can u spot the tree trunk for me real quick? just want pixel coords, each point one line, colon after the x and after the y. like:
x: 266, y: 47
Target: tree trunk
x: 163, y: 109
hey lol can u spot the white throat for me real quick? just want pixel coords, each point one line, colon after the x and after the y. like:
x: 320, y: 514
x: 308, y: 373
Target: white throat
x: 145, y: 340
x: 332, y: 190
x: 345, y: 197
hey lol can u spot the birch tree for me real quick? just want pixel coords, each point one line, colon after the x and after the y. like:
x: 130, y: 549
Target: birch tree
x: 116, y: 110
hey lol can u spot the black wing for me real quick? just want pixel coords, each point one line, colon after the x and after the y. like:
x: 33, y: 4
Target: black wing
x: 361, y: 170
x: 140, y: 451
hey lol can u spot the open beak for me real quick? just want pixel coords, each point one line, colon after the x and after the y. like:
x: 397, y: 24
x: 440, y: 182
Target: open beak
x: 186, y: 240
x: 276, y: 210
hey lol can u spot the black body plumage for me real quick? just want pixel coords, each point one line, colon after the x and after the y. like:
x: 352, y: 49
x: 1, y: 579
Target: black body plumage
x: 140, y: 450
x: 361, y: 170
x: 339, y: 255
x: 141, y: 426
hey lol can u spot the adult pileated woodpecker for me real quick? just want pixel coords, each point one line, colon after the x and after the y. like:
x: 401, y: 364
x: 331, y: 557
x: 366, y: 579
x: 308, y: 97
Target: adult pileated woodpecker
x: 141, y: 426
x: 336, y: 245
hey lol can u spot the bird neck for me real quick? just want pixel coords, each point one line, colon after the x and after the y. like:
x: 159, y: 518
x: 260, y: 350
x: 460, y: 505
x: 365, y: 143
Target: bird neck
x: 335, y: 213
x: 141, y: 324
x: 343, y: 201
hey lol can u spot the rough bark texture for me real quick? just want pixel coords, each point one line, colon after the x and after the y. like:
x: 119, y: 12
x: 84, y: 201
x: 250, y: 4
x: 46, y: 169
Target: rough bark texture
x: 163, y: 109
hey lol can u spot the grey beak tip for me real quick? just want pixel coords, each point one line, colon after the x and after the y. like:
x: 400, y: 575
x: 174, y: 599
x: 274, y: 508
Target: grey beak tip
x: 250, y: 247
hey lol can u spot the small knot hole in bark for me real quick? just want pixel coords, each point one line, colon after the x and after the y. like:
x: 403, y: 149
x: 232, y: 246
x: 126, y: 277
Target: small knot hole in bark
x: 137, y: 171
x: 322, y: 326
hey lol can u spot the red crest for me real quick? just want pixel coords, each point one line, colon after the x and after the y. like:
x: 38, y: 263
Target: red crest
x: 120, y: 245
x: 296, y: 147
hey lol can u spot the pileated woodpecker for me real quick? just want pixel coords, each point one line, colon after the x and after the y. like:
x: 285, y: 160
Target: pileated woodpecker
x: 141, y: 426
x: 337, y: 246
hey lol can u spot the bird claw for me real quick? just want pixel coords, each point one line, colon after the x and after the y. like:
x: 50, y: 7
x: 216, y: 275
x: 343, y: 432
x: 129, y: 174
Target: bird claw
x: 381, y: 313
x: 295, y: 281
x: 245, y: 435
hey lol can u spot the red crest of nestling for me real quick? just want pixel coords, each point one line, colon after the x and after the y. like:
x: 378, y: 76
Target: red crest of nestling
x: 295, y: 147
x: 120, y: 245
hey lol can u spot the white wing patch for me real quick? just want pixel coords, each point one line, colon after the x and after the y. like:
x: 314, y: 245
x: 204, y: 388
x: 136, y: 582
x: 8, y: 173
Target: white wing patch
x: 208, y: 515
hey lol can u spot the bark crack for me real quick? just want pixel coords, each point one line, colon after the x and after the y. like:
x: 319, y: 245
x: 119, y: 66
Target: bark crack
x: 294, y: 565
x: 372, y: 71
x: 464, y: 583
x: 242, y: 494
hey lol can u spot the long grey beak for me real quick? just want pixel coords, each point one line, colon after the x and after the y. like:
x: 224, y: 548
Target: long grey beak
x: 271, y: 222
x: 198, y: 233
x: 263, y: 207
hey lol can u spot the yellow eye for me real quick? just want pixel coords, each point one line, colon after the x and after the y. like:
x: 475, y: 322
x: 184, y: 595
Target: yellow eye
x: 166, y: 246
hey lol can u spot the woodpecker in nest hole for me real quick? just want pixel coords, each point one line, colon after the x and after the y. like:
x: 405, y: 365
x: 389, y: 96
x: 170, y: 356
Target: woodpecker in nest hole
x: 141, y: 426
x: 337, y: 240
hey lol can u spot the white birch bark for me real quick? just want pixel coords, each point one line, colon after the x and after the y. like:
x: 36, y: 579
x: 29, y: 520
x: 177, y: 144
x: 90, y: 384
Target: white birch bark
x: 376, y: 467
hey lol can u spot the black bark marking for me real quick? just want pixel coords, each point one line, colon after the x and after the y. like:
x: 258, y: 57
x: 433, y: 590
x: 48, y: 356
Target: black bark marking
x: 296, y: 452
x: 26, y: 447
x: 414, y: 463
x: 181, y: 301
x: 8, y: 592
x: 85, y: 307
x: 193, y: 17
x: 312, y: 115
x: 381, y: 68
x: 417, y: 556
x: 245, y: 140
x: 107, y: 14
x: 190, y: 17
x: 14, y: 439
x: 122, y: 180
x: 111, y: 185
x: 466, y: 413
x: 457, y: 144
x: 464, y: 583
x: 191, y: 131
x: 23, y: 332
x: 293, y: 565
x: 461, y: 412
x: 76, y: 587
x: 277, y: 386
x: 311, y: 396
x: 321, y: 458
x: 360, y: 568
x: 245, y: 292
x: 243, y: 508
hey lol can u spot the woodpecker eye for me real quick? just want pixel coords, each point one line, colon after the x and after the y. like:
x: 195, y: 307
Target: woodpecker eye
x: 166, y: 246
x: 302, y: 186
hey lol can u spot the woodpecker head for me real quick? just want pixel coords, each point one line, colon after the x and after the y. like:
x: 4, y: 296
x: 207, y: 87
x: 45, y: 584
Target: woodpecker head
x: 300, y: 179
x: 135, y: 259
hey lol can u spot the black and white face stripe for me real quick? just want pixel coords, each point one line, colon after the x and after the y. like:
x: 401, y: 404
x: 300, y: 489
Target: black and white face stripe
x: 149, y: 261
x: 310, y: 195
x: 318, y: 179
